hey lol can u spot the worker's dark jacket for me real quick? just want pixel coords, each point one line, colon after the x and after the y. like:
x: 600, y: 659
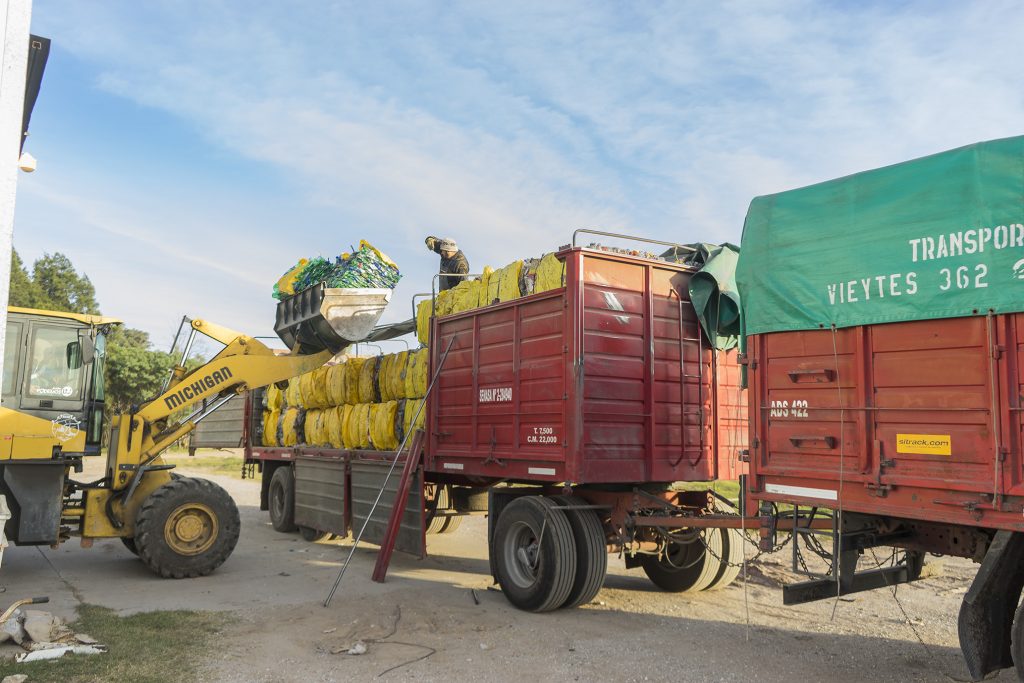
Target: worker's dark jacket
x: 455, y: 264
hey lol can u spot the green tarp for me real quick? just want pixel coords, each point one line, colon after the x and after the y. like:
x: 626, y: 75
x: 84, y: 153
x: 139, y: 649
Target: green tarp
x: 713, y: 290
x: 936, y: 237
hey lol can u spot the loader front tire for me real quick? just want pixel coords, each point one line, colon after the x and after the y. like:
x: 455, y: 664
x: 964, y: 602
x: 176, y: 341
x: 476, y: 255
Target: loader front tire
x: 186, y: 528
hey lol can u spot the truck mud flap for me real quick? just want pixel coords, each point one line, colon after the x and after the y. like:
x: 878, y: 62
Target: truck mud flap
x: 367, y: 477
x: 320, y: 498
x: 986, y: 615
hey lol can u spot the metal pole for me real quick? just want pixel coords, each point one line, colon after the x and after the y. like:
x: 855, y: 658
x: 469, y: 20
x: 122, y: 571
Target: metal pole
x: 391, y: 470
x: 14, y: 25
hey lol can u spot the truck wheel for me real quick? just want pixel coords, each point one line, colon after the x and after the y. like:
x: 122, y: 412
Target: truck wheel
x: 535, y: 554
x: 591, y: 551
x: 678, y: 568
x: 312, y: 535
x: 281, y: 497
x: 186, y: 528
x: 1017, y: 641
x: 732, y: 558
x: 451, y: 523
x: 436, y: 523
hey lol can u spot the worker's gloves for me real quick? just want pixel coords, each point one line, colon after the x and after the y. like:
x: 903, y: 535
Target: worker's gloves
x: 430, y: 242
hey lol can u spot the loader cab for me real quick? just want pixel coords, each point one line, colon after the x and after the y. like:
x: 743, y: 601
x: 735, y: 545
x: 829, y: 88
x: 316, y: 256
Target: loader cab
x: 54, y: 369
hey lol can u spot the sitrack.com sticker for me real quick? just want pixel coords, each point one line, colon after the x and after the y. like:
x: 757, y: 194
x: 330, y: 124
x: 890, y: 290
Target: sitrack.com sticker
x: 924, y: 444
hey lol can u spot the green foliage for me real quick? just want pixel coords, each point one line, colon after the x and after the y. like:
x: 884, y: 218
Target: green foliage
x: 65, y: 287
x: 134, y: 371
x: 25, y: 292
x: 150, y: 647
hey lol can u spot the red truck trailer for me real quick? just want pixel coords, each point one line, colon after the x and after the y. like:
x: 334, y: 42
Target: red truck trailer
x: 576, y: 411
x: 886, y: 373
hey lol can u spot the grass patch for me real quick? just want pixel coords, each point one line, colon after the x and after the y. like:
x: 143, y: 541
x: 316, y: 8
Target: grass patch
x: 214, y: 463
x: 151, y: 647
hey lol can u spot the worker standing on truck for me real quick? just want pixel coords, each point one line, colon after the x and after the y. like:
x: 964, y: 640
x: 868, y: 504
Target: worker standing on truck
x: 452, y: 260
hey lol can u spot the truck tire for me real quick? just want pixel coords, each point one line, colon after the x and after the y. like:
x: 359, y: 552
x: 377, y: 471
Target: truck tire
x: 436, y: 524
x: 312, y: 535
x: 186, y: 528
x: 1017, y: 641
x: 731, y: 559
x: 534, y: 554
x: 451, y: 523
x: 678, y: 569
x: 591, y: 551
x: 281, y: 499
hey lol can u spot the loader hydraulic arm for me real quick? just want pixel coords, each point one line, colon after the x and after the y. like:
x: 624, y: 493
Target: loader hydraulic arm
x: 243, y: 364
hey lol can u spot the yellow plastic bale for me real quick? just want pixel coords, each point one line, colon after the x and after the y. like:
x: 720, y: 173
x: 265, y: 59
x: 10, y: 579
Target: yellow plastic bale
x: 494, y: 286
x: 362, y: 425
x: 417, y: 362
x: 443, y: 303
x: 399, y: 368
x: 320, y: 387
x: 382, y: 426
x: 353, y: 371
x: 508, y: 289
x: 347, y: 440
x: 465, y: 296
x: 550, y: 274
x: 385, y: 379
x: 335, y: 385
x: 411, y: 406
x: 368, y: 380
x: 423, y: 321
x: 274, y: 398
x: 293, y: 395
x: 306, y: 398
x: 334, y: 418
x: 483, y: 291
x: 292, y: 427
x: 271, y: 418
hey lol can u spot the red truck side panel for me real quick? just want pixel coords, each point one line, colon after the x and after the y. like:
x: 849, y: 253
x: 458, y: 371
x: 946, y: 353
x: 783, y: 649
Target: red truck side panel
x: 603, y: 381
x: 924, y: 417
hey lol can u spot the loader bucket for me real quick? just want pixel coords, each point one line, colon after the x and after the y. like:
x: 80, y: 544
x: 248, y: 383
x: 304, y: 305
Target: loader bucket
x: 321, y: 318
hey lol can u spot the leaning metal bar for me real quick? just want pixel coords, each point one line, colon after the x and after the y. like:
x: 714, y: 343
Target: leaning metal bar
x: 633, y: 238
x: 185, y: 320
x: 387, y: 478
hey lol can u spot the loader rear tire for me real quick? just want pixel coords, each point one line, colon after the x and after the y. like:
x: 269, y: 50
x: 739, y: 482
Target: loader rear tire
x: 281, y: 500
x: 129, y: 542
x: 591, y: 551
x: 186, y: 528
x: 534, y: 554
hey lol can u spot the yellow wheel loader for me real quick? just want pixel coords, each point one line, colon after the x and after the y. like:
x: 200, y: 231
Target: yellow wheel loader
x: 52, y: 417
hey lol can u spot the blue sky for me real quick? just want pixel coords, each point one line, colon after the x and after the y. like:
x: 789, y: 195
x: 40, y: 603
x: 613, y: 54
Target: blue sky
x: 191, y: 152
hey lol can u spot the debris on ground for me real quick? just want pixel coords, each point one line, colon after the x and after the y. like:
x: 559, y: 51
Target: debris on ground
x: 44, y: 636
x: 15, y: 678
x: 359, y: 648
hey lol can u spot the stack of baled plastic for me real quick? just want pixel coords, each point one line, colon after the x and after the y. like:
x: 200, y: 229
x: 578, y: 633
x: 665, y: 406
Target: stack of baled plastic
x: 361, y: 403
x: 517, y: 279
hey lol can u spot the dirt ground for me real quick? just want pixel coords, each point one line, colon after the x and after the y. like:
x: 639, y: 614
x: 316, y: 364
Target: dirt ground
x: 438, y: 619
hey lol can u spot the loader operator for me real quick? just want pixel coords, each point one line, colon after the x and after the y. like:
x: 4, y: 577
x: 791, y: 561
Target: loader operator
x: 452, y: 260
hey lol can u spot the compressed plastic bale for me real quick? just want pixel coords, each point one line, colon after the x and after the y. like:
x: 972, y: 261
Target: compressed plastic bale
x: 419, y: 371
x: 443, y: 303
x: 423, y: 309
x: 409, y: 379
x: 310, y: 428
x: 482, y: 290
x: 465, y: 296
x: 528, y: 276
x: 550, y: 274
x: 293, y: 394
x: 382, y: 426
x: 399, y: 423
x: 347, y: 438
x: 362, y: 425
x: 353, y: 373
x: 335, y: 385
x: 385, y: 380
x: 396, y: 376
x: 306, y: 398
x: 494, y: 286
x: 293, y: 427
x: 271, y: 418
x: 334, y: 422
x: 320, y: 387
x: 273, y: 398
x: 322, y: 438
x: 508, y: 289
x: 411, y: 406
x: 368, y: 381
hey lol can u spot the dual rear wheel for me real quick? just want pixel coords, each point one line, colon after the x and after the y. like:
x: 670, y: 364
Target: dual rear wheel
x: 704, y: 560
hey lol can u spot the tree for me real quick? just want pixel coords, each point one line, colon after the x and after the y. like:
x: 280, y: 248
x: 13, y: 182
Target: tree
x: 134, y: 371
x: 25, y: 292
x: 57, y: 278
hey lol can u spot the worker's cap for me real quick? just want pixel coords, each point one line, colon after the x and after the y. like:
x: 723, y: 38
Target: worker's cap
x: 448, y: 244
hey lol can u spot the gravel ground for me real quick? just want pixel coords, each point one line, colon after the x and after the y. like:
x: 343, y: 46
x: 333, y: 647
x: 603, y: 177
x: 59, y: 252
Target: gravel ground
x: 440, y: 619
